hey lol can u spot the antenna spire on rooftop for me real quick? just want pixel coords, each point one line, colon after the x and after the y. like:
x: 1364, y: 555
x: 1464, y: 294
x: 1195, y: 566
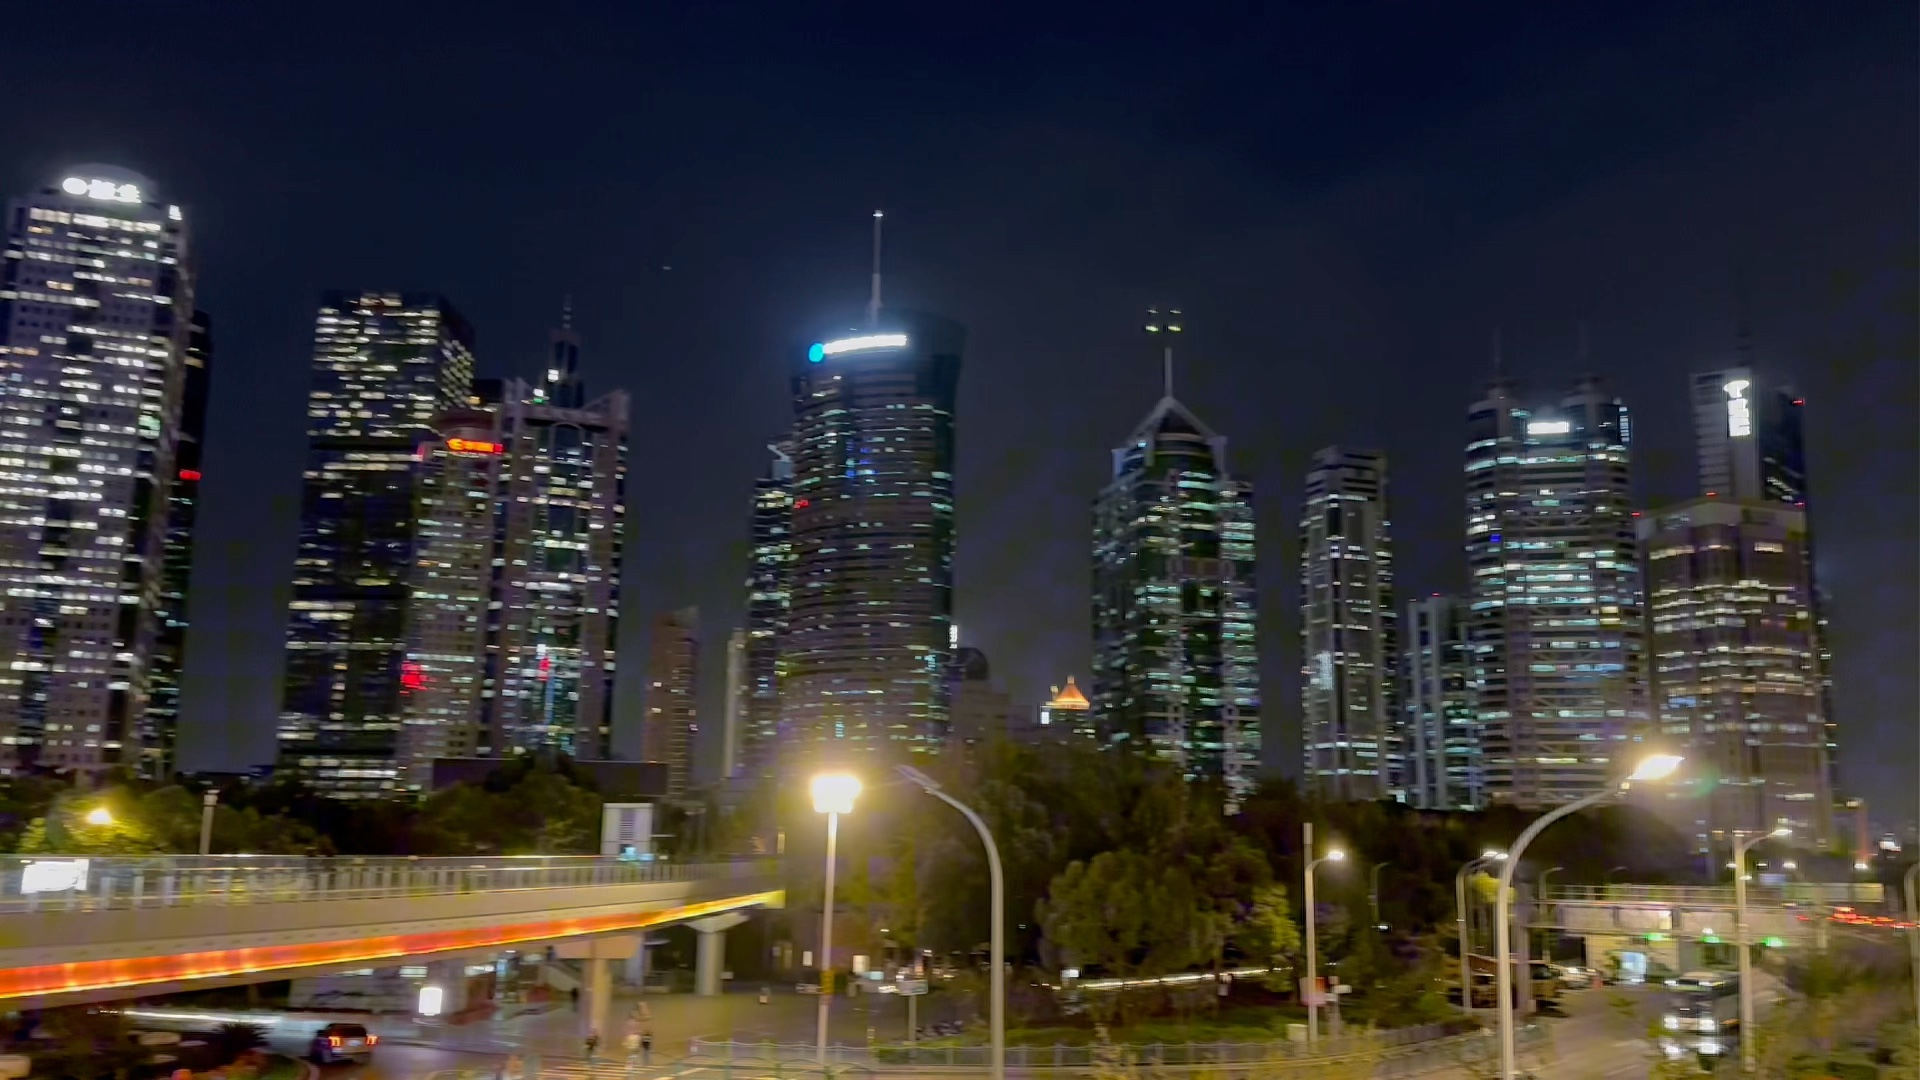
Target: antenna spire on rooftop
x: 566, y: 312
x: 1167, y: 322
x: 873, y: 298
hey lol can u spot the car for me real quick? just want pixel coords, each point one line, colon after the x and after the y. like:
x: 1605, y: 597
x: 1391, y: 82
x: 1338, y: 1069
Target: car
x: 1573, y: 976
x: 342, y: 1042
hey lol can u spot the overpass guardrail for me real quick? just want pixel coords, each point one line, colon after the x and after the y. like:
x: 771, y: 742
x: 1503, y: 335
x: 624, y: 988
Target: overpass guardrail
x: 83, y: 883
x: 1701, y: 896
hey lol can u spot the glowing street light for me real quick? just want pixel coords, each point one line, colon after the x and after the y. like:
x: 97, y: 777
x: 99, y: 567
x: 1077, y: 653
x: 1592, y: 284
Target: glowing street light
x: 833, y: 795
x: 1652, y: 767
x: 1740, y: 849
x: 1313, y: 959
x: 99, y: 815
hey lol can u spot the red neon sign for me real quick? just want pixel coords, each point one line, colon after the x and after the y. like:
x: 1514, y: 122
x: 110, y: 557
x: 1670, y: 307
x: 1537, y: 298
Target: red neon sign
x: 189, y: 474
x: 475, y: 446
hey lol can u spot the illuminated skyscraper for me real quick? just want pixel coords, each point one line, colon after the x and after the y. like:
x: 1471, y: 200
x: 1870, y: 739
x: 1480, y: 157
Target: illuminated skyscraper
x: 673, y: 692
x: 95, y: 302
x: 1750, y: 445
x: 1555, y: 619
x: 1736, y: 663
x: 1438, y: 729
x: 557, y: 586
x: 769, y: 599
x: 864, y: 659
x: 1349, y: 719
x: 159, y: 729
x: 385, y: 366
x: 1175, y: 666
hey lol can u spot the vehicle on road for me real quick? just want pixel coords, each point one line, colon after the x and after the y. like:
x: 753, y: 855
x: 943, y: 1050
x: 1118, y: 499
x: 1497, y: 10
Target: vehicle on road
x: 1575, y: 977
x: 1702, y: 1015
x: 342, y: 1042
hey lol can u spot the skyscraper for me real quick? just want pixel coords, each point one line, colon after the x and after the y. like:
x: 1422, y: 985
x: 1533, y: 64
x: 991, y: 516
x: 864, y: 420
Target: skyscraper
x: 1749, y: 445
x: 738, y: 697
x: 443, y: 676
x: 159, y: 730
x: 1555, y: 622
x: 95, y: 303
x: 672, y: 701
x: 1175, y: 667
x: 1349, y: 718
x: 769, y: 600
x: 562, y: 528
x: 1736, y: 663
x: 385, y: 366
x: 1442, y: 745
x: 864, y: 659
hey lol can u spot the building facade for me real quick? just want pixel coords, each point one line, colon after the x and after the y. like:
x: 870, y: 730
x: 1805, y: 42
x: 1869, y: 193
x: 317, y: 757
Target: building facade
x: 673, y: 692
x: 562, y: 528
x: 385, y: 366
x: 1349, y: 716
x: 863, y: 662
x: 738, y: 698
x: 769, y: 600
x: 1438, y: 728
x: 1736, y: 666
x: 1555, y: 614
x: 1176, y: 670
x: 159, y: 736
x: 96, y: 299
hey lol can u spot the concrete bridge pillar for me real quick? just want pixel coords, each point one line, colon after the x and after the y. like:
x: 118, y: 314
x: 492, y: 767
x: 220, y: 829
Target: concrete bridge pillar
x: 712, y: 954
x: 597, y: 957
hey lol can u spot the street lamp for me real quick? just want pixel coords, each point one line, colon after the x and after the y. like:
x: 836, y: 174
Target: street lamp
x: 1612, y: 871
x: 208, y: 801
x: 997, y: 941
x: 99, y: 815
x: 1373, y: 892
x: 833, y: 795
x: 1740, y: 848
x: 1313, y: 960
x: 1468, y: 869
x: 1546, y: 935
x: 1654, y: 767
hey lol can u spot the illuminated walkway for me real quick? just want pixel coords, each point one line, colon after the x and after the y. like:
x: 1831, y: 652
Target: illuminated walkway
x: 99, y: 929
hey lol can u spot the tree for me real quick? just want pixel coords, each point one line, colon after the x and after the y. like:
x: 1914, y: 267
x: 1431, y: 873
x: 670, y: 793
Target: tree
x: 1268, y: 934
x: 518, y: 811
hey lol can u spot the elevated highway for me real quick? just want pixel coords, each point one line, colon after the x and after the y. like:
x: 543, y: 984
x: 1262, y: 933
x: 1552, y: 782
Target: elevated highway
x: 74, y: 930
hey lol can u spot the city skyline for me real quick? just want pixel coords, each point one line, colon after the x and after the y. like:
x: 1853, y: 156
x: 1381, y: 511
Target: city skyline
x: 1381, y: 339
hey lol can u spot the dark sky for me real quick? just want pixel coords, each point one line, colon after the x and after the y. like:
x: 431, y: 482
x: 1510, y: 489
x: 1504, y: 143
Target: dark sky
x: 1346, y: 199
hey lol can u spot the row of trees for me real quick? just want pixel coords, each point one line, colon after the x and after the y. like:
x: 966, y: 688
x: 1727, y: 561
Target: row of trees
x: 527, y: 806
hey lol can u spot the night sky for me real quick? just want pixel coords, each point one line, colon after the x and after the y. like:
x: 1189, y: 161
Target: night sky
x: 1346, y: 199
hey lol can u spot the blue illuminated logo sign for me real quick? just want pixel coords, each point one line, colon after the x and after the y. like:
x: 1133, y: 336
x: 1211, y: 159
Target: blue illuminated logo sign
x: 817, y: 352
x: 821, y: 350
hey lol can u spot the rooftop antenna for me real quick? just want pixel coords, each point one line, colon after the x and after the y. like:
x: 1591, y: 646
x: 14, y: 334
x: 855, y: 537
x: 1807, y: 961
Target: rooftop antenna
x: 873, y: 299
x: 1165, y: 322
x: 566, y: 312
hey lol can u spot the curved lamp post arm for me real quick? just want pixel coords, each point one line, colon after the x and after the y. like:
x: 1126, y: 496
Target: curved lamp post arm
x: 997, y: 946
x: 1502, y: 948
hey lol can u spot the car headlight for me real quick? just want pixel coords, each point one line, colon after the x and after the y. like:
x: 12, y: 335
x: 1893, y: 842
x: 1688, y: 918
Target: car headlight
x: 1709, y: 1024
x: 1671, y: 1023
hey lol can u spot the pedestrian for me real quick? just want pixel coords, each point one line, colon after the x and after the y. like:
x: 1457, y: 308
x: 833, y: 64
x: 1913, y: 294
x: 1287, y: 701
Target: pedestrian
x: 593, y: 1043
x: 646, y: 1047
x: 766, y: 994
x: 573, y: 995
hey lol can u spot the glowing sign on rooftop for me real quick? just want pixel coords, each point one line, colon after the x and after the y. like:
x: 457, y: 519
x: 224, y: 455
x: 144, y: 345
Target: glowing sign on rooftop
x: 821, y: 350
x: 1549, y: 427
x: 105, y: 190
x: 475, y: 446
x: 1739, y: 409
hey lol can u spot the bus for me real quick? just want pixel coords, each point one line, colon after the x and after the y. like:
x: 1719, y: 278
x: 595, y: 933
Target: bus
x: 1702, y: 1014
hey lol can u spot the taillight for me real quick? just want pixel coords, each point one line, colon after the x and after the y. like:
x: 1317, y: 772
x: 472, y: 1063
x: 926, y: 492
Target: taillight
x: 371, y: 1039
x: 336, y: 1041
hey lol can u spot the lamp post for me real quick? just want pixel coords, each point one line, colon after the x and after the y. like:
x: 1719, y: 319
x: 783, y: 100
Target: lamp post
x: 1656, y: 767
x: 1373, y: 892
x: 1913, y: 937
x: 1740, y: 848
x: 997, y: 940
x: 1313, y: 954
x: 1546, y: 935
x: 1468, y: 869
x: 833, y: 795
x: 207, y: 802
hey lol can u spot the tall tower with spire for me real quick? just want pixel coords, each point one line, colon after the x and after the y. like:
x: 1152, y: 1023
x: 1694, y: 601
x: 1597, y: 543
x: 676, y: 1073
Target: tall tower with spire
x: 864, y: 652
x: 1176, y: 671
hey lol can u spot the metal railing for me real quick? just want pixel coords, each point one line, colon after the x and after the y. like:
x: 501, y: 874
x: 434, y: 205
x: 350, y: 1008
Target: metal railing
x: 1719, y: 896
x: 1062, y: 1055
x: 77, y: 883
